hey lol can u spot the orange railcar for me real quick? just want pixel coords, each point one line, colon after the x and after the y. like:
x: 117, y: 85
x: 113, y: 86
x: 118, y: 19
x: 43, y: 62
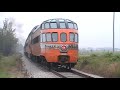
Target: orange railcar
x: 54, y: 42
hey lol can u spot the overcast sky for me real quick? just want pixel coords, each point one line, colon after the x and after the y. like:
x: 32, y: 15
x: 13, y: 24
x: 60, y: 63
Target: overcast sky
x: 95, y: 28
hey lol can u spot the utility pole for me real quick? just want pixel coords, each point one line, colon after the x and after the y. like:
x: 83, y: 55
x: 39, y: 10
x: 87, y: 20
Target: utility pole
x: 113, y: 30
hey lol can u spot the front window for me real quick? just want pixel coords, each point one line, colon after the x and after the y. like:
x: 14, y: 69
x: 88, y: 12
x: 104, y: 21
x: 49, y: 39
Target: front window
x: 53, y: 25
x: 43, y: 38
x: 54, y: 36
x: 76, y: 37
x: 72, y: 35
x: 63, y: 37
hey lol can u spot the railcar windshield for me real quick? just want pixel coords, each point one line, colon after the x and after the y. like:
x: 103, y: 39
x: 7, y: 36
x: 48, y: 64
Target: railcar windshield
x: 75, y: 26
x: 76, y: 37
x: 70, y: 25
x: 54, y: 36
x: 73, y: 37
x: 47, y: 25
x: 63, y: 37
x: 62, y: 25
x: 59, y: 23
x: 48, y: 35
x: 43, y: 38
x: 53, y: 25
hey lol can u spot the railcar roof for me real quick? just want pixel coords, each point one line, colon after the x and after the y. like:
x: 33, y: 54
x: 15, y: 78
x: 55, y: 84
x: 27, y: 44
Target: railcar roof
x: 58, y: 19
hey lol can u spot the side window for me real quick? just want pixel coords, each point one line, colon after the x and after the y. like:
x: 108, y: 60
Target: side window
x: 54, y: 36
x: 40, y: 37
x: 70, y: 25
x: 62, y: 25
x: 75, y: 26
x: 47, y: 25
x: 72, y: 36
x: 30, y: 39
x: 53, y: 25
x: 48, y: 37
x: 76, y: 37
x: 35, y: 40
x: 63, y: 37
x: 42, y: 26
x: 43, y: 38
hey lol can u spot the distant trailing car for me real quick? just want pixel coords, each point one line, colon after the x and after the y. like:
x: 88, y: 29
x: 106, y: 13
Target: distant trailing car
x: 53, y: 43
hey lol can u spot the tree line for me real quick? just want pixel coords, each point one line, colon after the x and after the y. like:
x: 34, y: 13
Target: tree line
x: 8, y: 40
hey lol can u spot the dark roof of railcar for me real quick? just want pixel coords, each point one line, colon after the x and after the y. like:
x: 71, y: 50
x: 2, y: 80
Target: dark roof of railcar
x: 58, y: 19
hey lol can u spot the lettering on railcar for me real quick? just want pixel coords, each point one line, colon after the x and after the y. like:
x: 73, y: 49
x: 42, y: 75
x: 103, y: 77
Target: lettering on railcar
x: 57, y: 46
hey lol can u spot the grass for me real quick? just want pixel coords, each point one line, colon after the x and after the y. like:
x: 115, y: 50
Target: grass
x: 104, y: 64
x: 4, y: 74
x: 8, y: 66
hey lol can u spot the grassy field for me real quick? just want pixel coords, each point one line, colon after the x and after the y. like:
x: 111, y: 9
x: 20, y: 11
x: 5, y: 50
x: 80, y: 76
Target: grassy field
x: 104, y: 64
x: 10, y: 66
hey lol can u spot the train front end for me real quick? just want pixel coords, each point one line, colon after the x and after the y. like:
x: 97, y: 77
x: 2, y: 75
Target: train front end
x: 60, y: 42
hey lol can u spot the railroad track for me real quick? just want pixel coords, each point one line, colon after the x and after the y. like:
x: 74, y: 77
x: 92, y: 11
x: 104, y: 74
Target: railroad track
x: 73, y: 73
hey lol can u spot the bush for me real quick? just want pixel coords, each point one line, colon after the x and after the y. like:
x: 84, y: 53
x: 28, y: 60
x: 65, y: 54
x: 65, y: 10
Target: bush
x: 106, y: 64
x: 93, y: 55
x: 109, y: 54
x: 115, y: 58
x: 84, y: 63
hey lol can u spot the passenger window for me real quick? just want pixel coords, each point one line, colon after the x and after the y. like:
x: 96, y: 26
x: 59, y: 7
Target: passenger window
x: 48, y: 35
x: 53, y: 25
x: 47, y: 25
x: 54, y: 36
x: 72, y: 36
x: 63, y: 37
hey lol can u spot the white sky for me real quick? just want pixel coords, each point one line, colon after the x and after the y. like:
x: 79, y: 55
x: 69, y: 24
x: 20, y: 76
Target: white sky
x: 95, y: 28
